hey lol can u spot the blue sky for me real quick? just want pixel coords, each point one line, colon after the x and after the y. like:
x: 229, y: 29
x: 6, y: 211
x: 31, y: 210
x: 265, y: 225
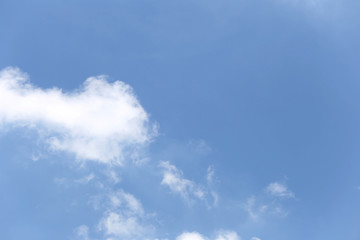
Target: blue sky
x: 179, y: 120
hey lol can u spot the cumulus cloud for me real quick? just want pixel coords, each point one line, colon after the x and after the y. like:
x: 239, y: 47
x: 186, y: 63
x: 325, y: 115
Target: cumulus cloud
x: 118, y: 226
x: 100, y: 121
x: 279, y: 190
x: 190, y: 236
x: 123, y: 217
x: 223, y: 235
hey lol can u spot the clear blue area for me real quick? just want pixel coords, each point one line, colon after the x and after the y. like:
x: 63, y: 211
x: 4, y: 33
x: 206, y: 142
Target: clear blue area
x: 272, y: 87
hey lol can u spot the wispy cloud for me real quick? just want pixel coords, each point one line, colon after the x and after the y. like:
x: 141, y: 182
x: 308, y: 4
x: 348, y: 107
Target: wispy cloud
x: 86, y: 179
x: 174, y: 179
x: 187, y: 189
x: 258, y: 207
x: 100, y: 121
x: 82, y: 232
x: 228, y: 235
x: 277, y: 189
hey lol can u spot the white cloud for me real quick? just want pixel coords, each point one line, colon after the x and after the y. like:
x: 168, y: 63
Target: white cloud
x: 101, y: 121
x: 123, y: 200
x: 277, y: 189
x: 187, y: 189
x: 223, y: 235
x: 255, y: 238
x: 174, y: 179
x: 113, y: 176
x: 120, y: 226
x: 228, y: 235
x: 190, y: 236
x: 123, y: 217
x: 82, y: 232
x: 258, y: 210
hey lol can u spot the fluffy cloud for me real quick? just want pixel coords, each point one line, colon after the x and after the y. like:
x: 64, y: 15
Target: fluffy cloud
x: 190, y: 236
x: 277, y: 189
x: 118, y: 226
x: 224, y: 235
x: 100, y: 121
x: 124, y: 217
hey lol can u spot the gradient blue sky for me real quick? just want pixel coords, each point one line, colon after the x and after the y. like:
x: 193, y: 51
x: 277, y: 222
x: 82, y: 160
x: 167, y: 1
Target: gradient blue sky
x: 242, y: 122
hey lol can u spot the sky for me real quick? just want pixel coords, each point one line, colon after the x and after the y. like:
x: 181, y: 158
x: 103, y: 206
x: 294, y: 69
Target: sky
x: 179, y: 120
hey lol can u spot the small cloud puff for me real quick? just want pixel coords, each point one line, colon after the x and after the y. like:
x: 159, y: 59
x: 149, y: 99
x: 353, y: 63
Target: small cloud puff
x: 277, y: 189
x: 101, y: 121
x: 223, y: 235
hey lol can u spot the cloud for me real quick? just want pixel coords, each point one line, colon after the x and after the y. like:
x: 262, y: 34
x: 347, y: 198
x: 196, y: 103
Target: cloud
x: 223, y: 235
x: 100, y: 121
x: 255, y: 238
x: 174, y: 179
x: 118, y: 226
x: 260, y: 206
x: 258, y: 209
x: 255, y: 211
x: 228, y: 235
x: 190, y: 236
x: 82, y: 232
x: 86, y: 179
x: 123, y: 200
x: 210, y: 175
x: 123, y: 217
x: 187, y: 189
x: 277, y: 189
